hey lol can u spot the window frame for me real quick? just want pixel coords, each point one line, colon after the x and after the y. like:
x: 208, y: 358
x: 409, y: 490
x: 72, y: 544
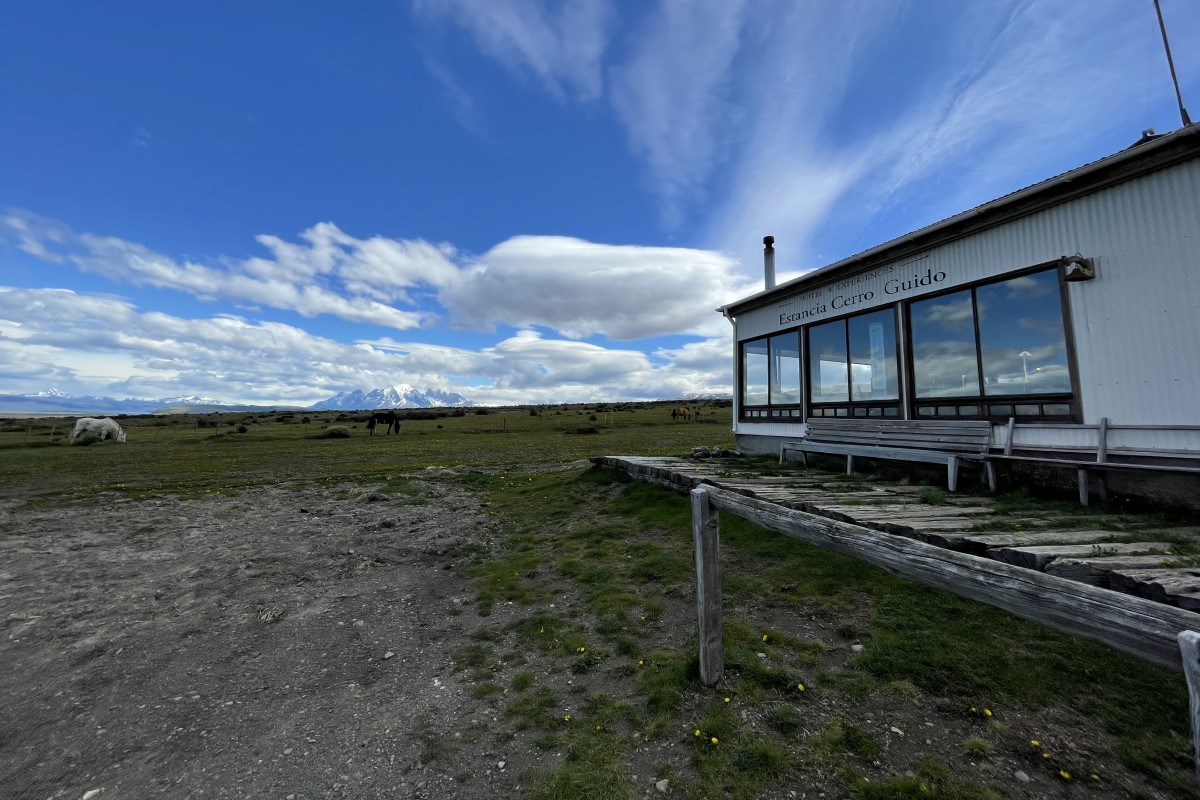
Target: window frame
x: 1050, y: 407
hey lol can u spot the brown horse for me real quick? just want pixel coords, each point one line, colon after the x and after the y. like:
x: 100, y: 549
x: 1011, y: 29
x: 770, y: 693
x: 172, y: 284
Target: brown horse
x: 682, y: 412
x: 392, y: 418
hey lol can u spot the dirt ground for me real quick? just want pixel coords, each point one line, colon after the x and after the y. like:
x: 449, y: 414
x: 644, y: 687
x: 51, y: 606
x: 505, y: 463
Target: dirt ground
x: 277, y: 643
x: 300, y: 643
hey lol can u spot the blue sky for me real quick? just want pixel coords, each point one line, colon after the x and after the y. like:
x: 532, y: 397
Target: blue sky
x: 520, y: 200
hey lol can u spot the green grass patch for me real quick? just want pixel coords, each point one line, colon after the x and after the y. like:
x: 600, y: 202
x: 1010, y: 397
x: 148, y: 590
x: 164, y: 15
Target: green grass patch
x: 842, y: 738
x: 472, y: 656
x: 665, y: 676
x: 591, y: 770
x: 532, y: 710
x: 933, y: 780
x: 484, y: 690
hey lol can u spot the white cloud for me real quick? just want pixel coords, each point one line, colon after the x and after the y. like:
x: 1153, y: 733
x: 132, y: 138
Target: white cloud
x: 575, y: 287
x: 76, y: 342
x: 561, y: 44
x: 581, y: 288
x: 674, y: 92
x: 775, y: 107
x: 328, y: 273
x: 1021, y: 91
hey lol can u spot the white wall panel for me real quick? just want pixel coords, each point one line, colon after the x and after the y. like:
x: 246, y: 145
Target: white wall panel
x: 1136, y: 326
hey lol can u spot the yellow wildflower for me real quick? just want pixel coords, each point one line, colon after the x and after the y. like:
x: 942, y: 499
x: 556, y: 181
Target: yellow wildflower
x: 1035, y: 743
x: 1045, y: 755
x: 726, y: 699
x: 566, y: 717
x: 1066, y: 776
x: 714, y: 740
x: 697, y: 733
x: 800, y: 687
x: 987, y: 712
x: 764, y: 637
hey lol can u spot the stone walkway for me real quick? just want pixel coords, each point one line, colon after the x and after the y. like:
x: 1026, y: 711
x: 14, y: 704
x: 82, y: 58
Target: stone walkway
x: 1130, y: 553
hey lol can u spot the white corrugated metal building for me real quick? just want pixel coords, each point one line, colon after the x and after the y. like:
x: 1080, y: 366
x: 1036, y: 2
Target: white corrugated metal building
x: 1073, y: 301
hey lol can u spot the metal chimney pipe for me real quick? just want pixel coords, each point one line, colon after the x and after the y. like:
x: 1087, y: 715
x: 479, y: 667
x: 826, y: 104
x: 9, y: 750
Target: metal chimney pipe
x: 769, y: 261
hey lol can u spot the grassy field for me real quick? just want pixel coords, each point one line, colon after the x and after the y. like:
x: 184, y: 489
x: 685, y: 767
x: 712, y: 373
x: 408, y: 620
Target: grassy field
x: 829, y: 660
x: 190, y: 453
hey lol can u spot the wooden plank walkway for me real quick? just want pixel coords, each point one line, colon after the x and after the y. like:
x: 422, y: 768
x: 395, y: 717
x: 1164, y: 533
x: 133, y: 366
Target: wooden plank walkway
x: 1136, y: 559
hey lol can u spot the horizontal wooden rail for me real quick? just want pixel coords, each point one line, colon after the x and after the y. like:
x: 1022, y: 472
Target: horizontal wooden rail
x: 1133, y: 625
x: 1152, y: 631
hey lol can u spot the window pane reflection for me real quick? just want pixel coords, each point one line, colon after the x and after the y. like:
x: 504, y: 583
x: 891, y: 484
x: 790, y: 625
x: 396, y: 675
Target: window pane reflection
x: 827, y: 362
x: 754, y: 373
x: 873, y: 356
x: 943, y: 344
x: 1021, y: 335
x: 785, y: 369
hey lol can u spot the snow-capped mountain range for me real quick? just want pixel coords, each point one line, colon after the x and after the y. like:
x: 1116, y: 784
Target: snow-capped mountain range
x: 399, y: 396
x: 53, y: 401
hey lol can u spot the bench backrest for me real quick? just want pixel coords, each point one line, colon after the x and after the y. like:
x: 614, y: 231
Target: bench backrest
x: 952, y: 436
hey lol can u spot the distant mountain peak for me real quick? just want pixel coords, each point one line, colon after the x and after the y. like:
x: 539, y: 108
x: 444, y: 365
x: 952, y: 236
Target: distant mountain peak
x: 401, y: 395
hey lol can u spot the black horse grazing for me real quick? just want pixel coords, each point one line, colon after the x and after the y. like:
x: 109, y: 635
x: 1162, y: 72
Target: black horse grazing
x: 392, y: 418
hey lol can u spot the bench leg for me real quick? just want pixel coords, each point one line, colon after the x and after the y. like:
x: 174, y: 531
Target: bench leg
x: 952, y: 473
x: 781, y: 453
x: 989, y: 469
x: 849, y: 464
x: 1083, y: 486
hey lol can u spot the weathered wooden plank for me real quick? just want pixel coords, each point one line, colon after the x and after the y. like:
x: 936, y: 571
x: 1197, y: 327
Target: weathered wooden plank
x: 948, y: 539
x: 1039, y: 556
x: 1130, y: 624
x: 706, y: 544
x: 1095, y: 571
x: 1189, y: 653
x: 1163, y: 585
x: 980, y: 543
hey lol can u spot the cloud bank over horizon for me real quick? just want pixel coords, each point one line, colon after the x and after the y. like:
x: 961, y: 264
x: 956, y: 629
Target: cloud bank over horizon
x: 550, y: 292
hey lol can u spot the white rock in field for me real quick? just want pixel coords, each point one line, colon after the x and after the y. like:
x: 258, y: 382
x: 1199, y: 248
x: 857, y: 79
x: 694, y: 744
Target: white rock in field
x: 662, y: 785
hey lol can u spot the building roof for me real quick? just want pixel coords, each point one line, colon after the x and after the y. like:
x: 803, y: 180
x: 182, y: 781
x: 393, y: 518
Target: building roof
x: 1147, y: 155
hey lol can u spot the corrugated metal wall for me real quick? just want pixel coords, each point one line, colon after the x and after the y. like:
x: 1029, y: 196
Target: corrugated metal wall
x: 1136, y: 325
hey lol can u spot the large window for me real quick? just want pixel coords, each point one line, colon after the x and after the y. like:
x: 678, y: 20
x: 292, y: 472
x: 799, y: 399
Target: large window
x: 827, y: 363
x: 945, y: 361
x: 785, y: 369
x: 754, y: 373
x: 1003, y: 340
x: 771, y: 377
x: 993, y: 350
x: 852, y: 366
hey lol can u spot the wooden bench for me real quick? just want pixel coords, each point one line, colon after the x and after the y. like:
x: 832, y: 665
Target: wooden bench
x: 1099, y: 461
x: 946, y: 442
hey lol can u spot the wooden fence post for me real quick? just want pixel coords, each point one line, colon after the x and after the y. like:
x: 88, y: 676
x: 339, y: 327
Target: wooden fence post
x: 706, y: 541
x: 1189, y: 648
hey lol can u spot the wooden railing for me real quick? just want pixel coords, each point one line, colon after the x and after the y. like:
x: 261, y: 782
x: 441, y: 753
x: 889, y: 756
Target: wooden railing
x: 1152, y: 631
